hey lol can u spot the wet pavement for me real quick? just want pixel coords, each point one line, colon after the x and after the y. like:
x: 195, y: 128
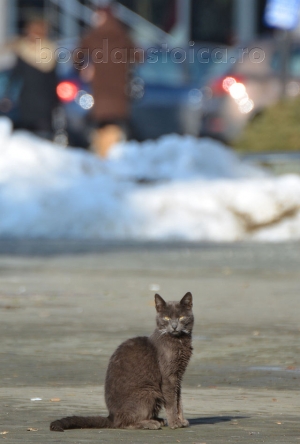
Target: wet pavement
x: 64, y: 307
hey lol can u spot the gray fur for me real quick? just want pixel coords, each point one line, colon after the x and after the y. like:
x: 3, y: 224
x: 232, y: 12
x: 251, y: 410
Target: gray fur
x: 144, y: 374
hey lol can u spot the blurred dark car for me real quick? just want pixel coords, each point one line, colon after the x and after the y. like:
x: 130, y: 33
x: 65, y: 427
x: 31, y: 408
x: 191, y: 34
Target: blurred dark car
x: 251, y: 81
x: 175, y: 90
x: 76, y: 99
x: 167, y: 97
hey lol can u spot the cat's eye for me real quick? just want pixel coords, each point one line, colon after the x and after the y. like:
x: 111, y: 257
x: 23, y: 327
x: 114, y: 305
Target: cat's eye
x: 182, y: 318
x: 166, y: 318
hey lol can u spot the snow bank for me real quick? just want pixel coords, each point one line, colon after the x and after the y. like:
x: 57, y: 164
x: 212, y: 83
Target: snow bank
x: 175, y: 188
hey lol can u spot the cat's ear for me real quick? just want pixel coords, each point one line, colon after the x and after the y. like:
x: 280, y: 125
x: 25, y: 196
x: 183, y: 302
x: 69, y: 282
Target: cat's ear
x: 187, y: 301
x: 159, y: 303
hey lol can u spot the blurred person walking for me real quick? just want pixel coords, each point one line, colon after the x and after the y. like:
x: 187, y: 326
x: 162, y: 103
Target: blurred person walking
x: 36, y: 78
x: 110, y: 51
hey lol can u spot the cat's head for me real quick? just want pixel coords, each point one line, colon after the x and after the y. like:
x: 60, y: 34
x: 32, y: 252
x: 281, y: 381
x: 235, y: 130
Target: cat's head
x: 175, y: 318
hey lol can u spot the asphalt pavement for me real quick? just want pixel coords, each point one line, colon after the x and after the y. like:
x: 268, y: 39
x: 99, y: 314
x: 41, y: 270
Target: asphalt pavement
x: 65, y: 306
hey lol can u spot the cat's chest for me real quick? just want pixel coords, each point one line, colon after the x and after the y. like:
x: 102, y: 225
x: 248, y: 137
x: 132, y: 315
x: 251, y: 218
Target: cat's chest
x: 175, y: 355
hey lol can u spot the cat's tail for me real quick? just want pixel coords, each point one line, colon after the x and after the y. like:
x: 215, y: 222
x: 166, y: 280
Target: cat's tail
x: 80, y: 422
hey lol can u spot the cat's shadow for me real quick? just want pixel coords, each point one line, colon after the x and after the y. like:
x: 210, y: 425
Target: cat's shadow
x: 213, y: 420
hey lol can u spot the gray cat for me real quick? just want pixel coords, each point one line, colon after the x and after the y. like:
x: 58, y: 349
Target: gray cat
x: 144, y: 374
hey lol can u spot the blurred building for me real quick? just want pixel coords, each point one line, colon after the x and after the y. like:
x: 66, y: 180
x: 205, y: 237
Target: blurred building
x: 219, y: 21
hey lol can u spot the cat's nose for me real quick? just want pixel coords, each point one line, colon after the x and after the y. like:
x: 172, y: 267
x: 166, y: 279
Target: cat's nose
x: 174, y: 325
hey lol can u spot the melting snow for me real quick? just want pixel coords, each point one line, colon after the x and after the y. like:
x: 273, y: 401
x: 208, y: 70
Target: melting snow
x: 174, y: 188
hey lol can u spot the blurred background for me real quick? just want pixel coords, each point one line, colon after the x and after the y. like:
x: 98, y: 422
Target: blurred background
x: 194, y: 200
x: 235, y: 61
x: 201, y: 20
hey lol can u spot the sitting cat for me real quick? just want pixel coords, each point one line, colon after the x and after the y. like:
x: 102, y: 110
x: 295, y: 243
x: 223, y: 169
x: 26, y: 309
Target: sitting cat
x: 144, y: 374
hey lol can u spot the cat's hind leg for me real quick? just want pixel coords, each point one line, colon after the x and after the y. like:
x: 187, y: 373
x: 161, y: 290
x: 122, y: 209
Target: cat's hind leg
x: 137, y: 420
x: 139, y: 412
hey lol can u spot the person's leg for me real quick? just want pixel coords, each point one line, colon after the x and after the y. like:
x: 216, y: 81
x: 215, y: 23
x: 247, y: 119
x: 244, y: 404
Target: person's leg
x: 106, y: 136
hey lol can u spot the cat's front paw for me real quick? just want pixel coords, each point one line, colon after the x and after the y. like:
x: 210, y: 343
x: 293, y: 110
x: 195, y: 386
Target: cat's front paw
x: 185, y: 423
x: 175, y: 424
x: 179, y: 423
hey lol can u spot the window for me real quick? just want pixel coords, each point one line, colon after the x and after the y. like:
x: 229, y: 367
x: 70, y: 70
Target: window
x: 161, y: 13
x: 212, y: 21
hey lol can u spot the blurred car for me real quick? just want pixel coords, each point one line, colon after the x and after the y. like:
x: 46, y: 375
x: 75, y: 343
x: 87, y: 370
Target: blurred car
x: 167, y: 97
x: 176, y: 90
x: 251, y: 81
x: 76, y: 99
